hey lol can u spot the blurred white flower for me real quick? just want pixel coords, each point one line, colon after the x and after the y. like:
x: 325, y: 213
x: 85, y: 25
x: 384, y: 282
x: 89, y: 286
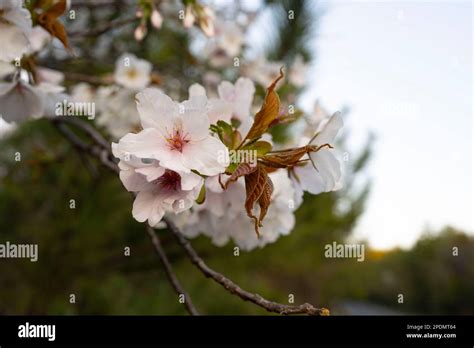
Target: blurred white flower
x: 118, y: 111
x: 222, y: 218
x: 19, y: 101
x: 229, y: 37
x: 317, y: 118
x: 325, y: 175
x: 262, y: 71
x: 280, y: 219
x: 38, y: 38
x: 203, y: 14
x: 15, y: 26
x: 189, y: 17
x: 239, y: 95
x: 226, y: 45
x: 221, y: 202
x: 51, y: 94
x: 234, y: 102
x: 298, y: 72
x: 50, y: 89
x: 83, y: 93
x: 176, y: 134
x: 51, y: 76
x: 140, y: 32
x: 6, y: 128
x: 6, y: 69
x: 156, y: 19
x: 206, y: 20
x: 132, y: 72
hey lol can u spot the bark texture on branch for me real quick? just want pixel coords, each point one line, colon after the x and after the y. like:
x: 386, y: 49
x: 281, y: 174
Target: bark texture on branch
x: 229, y: 285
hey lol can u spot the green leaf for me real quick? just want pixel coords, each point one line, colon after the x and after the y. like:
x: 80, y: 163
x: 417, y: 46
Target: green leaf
x: 262, y: 147
x: 202, y: 195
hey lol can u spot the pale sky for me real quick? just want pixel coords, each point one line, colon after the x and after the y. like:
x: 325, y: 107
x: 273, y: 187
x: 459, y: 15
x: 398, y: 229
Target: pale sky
x: 405, y: 70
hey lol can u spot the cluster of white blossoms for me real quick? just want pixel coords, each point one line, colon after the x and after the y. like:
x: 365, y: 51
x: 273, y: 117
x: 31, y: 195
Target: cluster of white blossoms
x: 176, y: 158
x: 20, y: 98
x: 116, y: 102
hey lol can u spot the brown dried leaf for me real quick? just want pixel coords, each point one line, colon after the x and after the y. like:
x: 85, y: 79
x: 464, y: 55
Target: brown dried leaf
x: 285, y: 158
x: 49, y: 21
x: 241, y: 170
x: 265, y: 199
x: 269, y: 111
x: 258, y: 187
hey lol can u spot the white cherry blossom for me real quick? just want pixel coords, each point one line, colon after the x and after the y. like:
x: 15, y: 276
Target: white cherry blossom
x: 262, y: 71
x: 132, y: 72
x: 118, y: 111
x: 83, y: 93
x: 298, y: 72
x: 176, y: 134
x: 159, y: 190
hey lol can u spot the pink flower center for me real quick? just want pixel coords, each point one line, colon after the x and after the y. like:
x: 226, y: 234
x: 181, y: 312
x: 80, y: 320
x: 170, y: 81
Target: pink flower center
x: 177, y: 140
x: 170, y: 181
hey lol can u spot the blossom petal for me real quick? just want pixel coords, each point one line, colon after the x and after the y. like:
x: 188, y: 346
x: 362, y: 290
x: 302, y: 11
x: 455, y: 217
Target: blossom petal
x: 142, y: 206
x: 132, y: 181
x: 208, y: 156
x: 14, y: 42
x: 190, y: 181
x: 194, y: 119
x: 196, y: 89
x: 226, y: 91
x: 145, y: 144
x: 156, y: 110
x: 328, y: 173
x: 19, y: 102
x: 152, y: 172
x: 219, y: 110
x: 329, y: 131
x: 244, y: 91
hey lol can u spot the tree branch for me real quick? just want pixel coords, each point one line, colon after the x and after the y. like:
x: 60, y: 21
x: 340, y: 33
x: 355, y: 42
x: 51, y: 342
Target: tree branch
x: 101, y: 29
x: 233, y: 288
x: 104, y: 155
x: 169, y: 271
x: 94, y: 150
x: 86, y: 128
x: 101, y: 150
x: 93, y: 80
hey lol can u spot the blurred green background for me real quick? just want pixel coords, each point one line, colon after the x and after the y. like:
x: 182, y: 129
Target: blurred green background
x: 81, y: 251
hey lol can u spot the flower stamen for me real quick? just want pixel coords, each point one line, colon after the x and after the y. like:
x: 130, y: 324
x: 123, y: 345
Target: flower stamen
x: 177, y: 140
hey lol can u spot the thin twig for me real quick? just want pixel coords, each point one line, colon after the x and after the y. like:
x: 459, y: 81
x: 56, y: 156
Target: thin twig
x: 93, y: 4
x: 169, y: 271
x: 233, y: 288
x: 101, y: 29
x: 93, y: 80
x: 104, y: 155
x: 87, y: 128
